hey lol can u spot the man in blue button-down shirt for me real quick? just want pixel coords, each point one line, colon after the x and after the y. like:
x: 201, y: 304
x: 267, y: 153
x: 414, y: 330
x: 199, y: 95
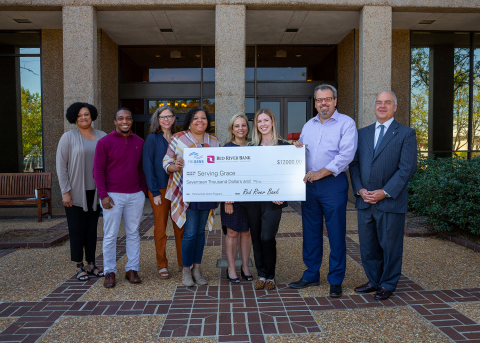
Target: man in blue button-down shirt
x: 330, y: 139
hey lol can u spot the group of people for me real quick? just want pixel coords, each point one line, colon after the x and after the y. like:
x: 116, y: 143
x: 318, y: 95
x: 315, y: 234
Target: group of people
x: 119, y: 169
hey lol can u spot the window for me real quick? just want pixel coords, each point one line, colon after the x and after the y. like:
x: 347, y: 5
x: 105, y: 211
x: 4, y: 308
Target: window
x: 21, y: 101
x: 444, y: 107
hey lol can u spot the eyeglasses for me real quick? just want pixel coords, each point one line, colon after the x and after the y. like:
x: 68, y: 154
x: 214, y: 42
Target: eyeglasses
x: 320, y: 100
x: 165, y: 118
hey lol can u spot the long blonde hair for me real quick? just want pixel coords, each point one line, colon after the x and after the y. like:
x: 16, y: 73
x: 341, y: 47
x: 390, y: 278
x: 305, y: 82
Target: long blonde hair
x: 154, y: 121
x: 256, y: 135
x: 231, y: 136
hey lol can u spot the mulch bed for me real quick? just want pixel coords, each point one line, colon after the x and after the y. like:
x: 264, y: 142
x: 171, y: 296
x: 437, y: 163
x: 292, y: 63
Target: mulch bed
x: 417, y: 226
x: 465, y: 235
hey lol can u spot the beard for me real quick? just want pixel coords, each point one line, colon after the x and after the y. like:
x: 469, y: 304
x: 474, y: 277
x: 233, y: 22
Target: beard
x: 324, y: 111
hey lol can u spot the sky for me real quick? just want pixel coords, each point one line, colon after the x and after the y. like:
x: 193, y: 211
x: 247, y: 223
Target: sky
x: 30, y: 71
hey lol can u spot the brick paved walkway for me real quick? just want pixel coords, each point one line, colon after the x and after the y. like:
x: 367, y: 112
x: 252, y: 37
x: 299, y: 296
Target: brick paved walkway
x: 234, y: 312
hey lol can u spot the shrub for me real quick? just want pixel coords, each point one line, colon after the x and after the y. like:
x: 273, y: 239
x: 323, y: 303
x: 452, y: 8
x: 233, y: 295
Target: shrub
x: 447, y: 191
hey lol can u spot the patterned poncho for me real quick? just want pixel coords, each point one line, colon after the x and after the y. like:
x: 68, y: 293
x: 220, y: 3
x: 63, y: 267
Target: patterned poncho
x: 180, y: 141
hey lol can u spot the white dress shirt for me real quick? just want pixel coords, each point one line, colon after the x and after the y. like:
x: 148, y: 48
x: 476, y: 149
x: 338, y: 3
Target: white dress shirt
x: 378, y: 128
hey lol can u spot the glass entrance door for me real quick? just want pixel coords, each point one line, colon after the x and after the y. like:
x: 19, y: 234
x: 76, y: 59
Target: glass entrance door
x: 291, y: 114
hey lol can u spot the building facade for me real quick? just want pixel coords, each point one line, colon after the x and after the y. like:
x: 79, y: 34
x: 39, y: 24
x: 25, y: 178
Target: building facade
x: 235, y: 57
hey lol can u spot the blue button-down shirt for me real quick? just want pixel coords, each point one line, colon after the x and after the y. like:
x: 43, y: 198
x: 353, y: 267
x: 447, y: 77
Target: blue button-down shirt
x: 331, y: 144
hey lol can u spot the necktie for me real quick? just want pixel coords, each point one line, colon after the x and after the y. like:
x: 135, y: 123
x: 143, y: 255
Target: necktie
x: 380, y: 136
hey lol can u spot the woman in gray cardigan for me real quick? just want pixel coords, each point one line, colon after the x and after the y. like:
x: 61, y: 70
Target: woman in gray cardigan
x: 75, y: 155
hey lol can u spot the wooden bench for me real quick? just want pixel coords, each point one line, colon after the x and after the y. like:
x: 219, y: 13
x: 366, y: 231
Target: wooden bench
x: 19, y: 189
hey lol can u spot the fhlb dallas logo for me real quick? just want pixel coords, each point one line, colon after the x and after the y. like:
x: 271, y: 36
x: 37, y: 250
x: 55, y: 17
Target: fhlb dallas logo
x: 196, y: 158
x: 195, y: 155
x: 210, y: 159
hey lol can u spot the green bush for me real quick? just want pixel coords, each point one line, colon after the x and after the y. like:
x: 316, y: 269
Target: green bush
x: 447, y: 191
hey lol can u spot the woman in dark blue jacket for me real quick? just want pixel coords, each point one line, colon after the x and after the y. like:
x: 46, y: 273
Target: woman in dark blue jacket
x: 162, y: 128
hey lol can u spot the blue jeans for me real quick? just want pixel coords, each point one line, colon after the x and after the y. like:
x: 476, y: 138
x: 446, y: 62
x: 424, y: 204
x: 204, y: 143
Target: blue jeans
x: 194, y: 236
x: 327, y: 198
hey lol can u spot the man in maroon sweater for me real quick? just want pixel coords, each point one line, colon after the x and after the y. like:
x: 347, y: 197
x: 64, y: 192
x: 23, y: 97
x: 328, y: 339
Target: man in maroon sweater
x: 121, y: 185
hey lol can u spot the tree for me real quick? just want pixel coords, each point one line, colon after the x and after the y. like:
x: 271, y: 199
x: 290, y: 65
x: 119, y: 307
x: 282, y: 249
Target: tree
x: 420, y: 87
x: 420, y: 94
x: 31, y: 123
x: 419, y: 118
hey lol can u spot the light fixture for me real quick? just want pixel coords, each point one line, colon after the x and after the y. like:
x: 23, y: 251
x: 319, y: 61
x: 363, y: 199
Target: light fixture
x: 166, y: 30
x: 160, y: 104
x: 23, y: 21
x: 158, y: 55
x: 175, y: 54
x: 291, y: 30
x: 198, y: 56
x: 298, y: 55
x: 426, y: 21
x: 176, y: 104
x: 168, y: 103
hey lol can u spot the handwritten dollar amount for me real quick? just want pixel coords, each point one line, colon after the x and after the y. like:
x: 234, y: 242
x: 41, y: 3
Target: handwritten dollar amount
x: 289, y: 161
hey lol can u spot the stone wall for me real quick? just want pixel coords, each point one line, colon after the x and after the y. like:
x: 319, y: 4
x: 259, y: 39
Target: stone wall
x: 52, y: 96
x: 107, y: 61
x: 401, y: 74
x: 347, y: 57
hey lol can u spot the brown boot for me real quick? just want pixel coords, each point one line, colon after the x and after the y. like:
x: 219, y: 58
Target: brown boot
x: 132, y: 276
x: 109, y: 281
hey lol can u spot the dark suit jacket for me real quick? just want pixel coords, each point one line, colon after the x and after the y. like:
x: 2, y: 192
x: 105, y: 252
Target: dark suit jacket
x: 390, y: 169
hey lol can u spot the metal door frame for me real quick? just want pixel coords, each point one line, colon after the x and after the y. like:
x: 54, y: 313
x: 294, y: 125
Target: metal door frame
x: 284, y: 109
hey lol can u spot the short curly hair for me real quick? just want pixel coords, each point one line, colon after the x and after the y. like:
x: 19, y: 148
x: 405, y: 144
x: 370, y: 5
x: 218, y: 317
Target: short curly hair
x: 191, y: 114
x: 74, y: 109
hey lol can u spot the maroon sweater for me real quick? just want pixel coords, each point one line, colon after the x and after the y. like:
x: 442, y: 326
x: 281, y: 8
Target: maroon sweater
x: 117, y: 166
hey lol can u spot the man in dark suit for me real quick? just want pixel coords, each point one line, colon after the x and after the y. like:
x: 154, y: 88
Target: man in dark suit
x: 385, y: 161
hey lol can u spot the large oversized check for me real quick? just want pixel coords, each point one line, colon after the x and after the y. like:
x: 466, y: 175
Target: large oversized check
x: 265, y: 173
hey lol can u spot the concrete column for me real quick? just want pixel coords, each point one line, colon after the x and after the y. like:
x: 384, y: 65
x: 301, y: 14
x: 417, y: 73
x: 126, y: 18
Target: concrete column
x: 229, y: 65
x: 440, y: 102
x: 79, y: 56
x: 375, y: 53
x: 53, y: 112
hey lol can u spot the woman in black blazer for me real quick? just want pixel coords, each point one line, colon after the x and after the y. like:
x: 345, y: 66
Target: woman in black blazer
x: 264, y: 217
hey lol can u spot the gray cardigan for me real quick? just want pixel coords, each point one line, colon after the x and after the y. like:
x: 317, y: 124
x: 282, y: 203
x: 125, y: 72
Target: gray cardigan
x: 71, y: 167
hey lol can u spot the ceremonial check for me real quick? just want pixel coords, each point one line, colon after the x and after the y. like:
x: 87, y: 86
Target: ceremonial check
x: 264, y: 173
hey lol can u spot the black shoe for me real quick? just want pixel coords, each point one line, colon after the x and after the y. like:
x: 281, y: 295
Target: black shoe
x: 382, y: 294
x: 245, y: 277
x: 365, y: 288
x: 335, y: 291
x: 236, y: 280
x: 302, y: 283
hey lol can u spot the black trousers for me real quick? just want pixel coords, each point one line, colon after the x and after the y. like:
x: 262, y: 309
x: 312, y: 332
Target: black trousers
x: 264, y: 219
x: 82, y: 228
